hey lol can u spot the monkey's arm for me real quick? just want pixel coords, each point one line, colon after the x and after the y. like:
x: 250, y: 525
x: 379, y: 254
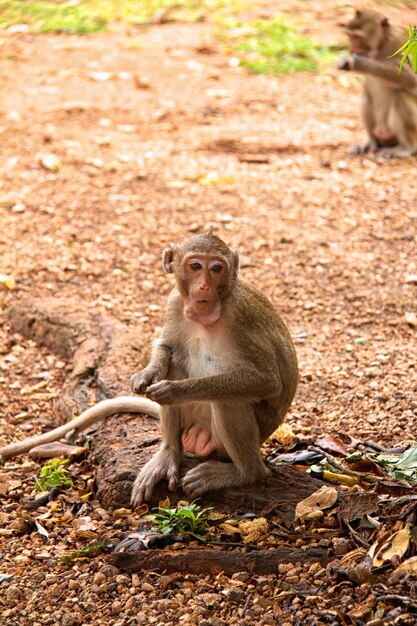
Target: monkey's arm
x: 96, y: 413
x: 242, y: 382
x: 156, y: 370
x: 386, y: 71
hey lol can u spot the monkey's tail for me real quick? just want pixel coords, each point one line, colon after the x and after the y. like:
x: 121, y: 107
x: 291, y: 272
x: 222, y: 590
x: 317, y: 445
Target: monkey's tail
x: 100, y: 411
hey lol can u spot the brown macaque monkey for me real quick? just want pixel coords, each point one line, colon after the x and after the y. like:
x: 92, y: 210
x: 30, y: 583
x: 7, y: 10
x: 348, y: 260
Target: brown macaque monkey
x: 390, y: 98
x: 224, y: 372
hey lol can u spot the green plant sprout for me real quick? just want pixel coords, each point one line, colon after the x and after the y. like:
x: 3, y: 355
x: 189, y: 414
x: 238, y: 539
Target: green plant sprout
x: 409, y: 49
x: 53, y: 475
x: 187, y: 519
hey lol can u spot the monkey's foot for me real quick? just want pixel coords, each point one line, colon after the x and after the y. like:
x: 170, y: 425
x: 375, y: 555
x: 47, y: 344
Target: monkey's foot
x: 361, y: 148
x: 217, y: 475
x: 198, y: 441
x: 165, y: 464
x: 397, y: 152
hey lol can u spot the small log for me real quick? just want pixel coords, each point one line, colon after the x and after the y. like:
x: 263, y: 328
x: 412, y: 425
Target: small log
x: 214, y: 561
x: 122, y: 448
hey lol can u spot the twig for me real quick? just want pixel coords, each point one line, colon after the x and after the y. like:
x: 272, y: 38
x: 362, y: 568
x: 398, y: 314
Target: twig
x: 342, y: 468
x: 394, y: 597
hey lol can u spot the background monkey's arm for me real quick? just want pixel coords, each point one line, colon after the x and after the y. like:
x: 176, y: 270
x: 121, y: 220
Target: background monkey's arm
x: 96, y: 413
x: 379, y: 69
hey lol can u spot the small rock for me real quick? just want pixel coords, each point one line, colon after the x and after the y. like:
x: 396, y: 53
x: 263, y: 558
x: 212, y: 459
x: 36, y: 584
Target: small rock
x: 411, y: 319
x: 50, y: 162
x: 7, y: 202
x: 135, y: 580
x: 242, y: 576
x: 99, y: 578
x: 109, y: 571
x: 234, y: 594
x: 411, y: 279
x: 116, y: 607
x: 148, y: 587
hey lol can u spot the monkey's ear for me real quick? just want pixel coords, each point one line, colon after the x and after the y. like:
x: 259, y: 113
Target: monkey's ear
x: 235, y: 263
x: 168, y: 258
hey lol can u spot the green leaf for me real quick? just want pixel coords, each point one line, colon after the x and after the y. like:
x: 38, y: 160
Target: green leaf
x: 53, y: 475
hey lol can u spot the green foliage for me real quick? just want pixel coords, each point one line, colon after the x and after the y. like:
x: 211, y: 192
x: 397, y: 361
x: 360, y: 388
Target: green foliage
x: 53, y: 475
x: 90, y: 16
x: 409, y: 49
x: 91, y: 550
x: 45, y: 16
x: 274, y: 47
x: 403, y: 466
x: 188, y: 519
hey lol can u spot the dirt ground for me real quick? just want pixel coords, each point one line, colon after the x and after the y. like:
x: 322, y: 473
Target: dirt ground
x: 155, y: 134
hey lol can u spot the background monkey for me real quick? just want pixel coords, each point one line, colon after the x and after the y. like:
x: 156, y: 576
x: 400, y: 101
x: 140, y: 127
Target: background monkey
x: 224, y: 372
x: 221, y: 377
x: 390, y: 99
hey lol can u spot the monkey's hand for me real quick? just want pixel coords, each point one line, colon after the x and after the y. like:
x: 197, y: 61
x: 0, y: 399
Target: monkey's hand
x: 162, y: 392
x: 142, y: 380
x: 346, y: 63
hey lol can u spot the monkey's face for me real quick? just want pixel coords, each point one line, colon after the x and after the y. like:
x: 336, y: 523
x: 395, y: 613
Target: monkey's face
x: 203, y: 280
x: 358, y: 43
x: 366, y: 32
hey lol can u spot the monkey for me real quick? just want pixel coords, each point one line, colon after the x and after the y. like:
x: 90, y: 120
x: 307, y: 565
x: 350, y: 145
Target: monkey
x: 389, y: 107
x: 224, y: 372
x: 221, y: 377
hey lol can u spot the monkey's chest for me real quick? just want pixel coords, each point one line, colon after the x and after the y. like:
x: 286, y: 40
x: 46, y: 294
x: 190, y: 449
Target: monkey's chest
x: 206, y: 358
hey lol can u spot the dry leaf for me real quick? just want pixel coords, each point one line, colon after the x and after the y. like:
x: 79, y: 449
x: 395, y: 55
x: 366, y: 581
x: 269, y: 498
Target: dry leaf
x: 408, y: 567
x: 283, y: 434
x: 396, y: 546
x: 333, y: 444
x: 252, y: 530
x: 323, y: 498
x: 340, y: 479
x: 84, y: 524
x: 8, y: 281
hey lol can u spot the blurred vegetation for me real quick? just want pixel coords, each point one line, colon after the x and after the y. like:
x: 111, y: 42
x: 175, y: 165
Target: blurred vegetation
x: 267, y: 46
x: 90, y: 16
x: 274, y: 47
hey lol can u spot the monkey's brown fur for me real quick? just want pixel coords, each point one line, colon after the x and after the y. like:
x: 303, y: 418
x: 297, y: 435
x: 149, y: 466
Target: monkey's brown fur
x: 224, y: 368
x: 390, y: 99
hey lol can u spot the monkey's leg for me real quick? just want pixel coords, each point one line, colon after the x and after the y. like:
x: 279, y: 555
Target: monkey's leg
x: 235, y: 426
x: 402, y: 119
x: 369, y: 121
x: 166, y: 462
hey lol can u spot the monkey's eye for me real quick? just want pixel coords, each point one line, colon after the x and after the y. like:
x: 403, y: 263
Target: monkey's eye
x: 217, y: 268
x: 195, y: 266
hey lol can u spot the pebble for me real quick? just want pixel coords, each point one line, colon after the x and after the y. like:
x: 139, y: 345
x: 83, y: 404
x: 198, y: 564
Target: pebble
x: 109, y: 571
x: 235, y: 594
